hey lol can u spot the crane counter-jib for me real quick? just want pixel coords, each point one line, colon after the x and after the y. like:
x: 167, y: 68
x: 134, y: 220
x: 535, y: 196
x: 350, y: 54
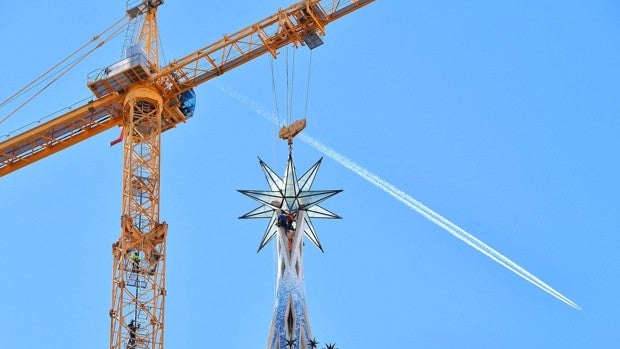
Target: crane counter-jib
x: 60, y: 133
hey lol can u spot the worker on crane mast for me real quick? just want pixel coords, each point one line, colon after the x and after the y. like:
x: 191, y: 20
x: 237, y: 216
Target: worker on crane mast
x: 135, y: 262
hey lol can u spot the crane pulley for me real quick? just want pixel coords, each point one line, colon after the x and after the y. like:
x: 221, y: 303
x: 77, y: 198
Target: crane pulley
x: 143, y: 7
x: 292, y: 130
x: 289, y: 132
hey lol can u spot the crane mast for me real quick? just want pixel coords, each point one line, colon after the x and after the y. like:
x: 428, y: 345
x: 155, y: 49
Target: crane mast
x: 146, y: 100
x: 138, y: 284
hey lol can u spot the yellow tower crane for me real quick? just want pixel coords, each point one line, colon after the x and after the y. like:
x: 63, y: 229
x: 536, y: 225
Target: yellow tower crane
x: 146, y: 99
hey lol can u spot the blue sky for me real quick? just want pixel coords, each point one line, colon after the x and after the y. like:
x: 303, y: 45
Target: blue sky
x: 500, y: 116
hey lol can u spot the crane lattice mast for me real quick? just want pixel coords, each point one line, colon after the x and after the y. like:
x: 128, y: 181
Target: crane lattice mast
x: 139, y: 282
x: 146, y: 100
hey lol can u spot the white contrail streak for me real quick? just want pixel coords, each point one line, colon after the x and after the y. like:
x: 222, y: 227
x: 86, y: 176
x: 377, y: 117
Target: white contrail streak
x: 437, y: 219
x: 408, y: 201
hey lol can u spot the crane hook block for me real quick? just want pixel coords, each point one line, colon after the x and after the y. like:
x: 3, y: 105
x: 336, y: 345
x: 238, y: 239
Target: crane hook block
x: 292, y: 130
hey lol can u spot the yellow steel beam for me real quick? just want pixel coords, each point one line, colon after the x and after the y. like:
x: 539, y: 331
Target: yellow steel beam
x: 138, y: 292
x: 267, y: 36
x: 60, y: 133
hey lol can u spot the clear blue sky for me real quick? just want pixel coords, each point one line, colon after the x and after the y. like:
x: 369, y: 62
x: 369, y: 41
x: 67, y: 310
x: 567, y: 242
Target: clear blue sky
x: 500, y: 115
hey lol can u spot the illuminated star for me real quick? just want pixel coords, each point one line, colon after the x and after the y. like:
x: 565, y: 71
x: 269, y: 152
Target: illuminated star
x: 290, y: 195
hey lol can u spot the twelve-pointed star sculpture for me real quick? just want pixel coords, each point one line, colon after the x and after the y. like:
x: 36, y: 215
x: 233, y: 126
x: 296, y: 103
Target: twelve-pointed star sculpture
x: 290, y: 195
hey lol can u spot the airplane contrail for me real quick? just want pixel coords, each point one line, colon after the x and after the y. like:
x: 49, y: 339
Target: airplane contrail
x: 408, y: 201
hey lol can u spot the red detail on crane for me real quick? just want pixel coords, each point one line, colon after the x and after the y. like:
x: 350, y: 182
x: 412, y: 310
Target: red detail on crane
x: 119, y: 139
